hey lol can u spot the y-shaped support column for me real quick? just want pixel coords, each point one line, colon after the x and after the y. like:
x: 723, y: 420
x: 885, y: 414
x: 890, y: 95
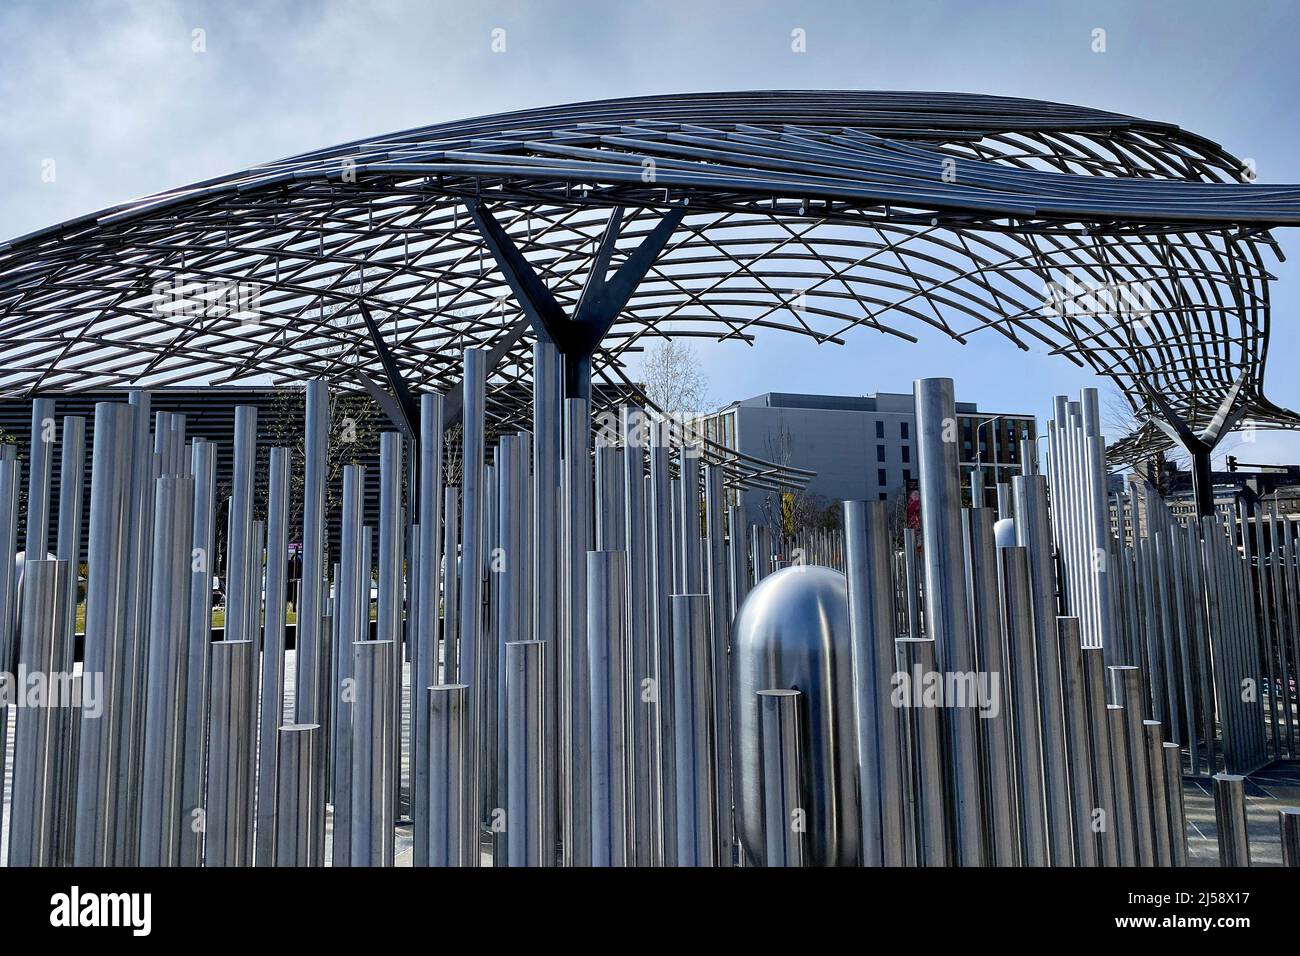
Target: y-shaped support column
x: 603, y: 296
x: 1200, y: 444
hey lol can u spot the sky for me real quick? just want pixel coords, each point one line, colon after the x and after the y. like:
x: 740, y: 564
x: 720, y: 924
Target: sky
x: 117, y: 94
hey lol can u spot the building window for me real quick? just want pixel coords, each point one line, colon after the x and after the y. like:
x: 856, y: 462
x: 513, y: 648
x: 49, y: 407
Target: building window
x: 880, y: 429
x: 880, y: 453
x: 884, y: 497
x: 907, y: 453
x: 881, y: 480
x: 907, y: 474
x: 902, y: 430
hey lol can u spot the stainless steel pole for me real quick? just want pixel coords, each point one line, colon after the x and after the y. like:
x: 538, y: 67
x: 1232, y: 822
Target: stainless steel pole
x: 106, y: 597
x: 947, y: 611
x: 1230, y: 819
x: 374, y: 767
x: 1126, y: 689
x: 606, y: 656
x: 163, y: 736
x: 1173, y: 763
x: 34, y: 803
x: 299, y: 799
x: 431, y: 595
x: 452, y: 828
x: 310, y: 703
x: 575, y: 699
x: 473, y: 385
x: 1288, y: 820
x: 526, y: 831
x: 916, y: 659
x: 781, y: 764
x: 1073, y: 690
x: 271, y: 716
x: 228, y: 821
x: 872, y: 622
x: 692, y: 707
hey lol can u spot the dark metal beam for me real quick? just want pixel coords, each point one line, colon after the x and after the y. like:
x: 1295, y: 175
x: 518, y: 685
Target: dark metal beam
x: 400, y: 394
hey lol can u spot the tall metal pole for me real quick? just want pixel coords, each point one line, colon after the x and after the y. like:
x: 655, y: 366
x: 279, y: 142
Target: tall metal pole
x: 431, y: 594
x: 692, y: 707
x: 471, y: 596
x: 271, y: 715
x: 374, y: 764
x: 606, y: 655
x: 872, y: 621
x: 452, y: 829
x: 947, y: 612
x: 1230, y: 818
x: 548, y: 379
x: 781, y: 764
x: 299, y: 798
x: 228, y: 817
x: 526, y: 831
x: 106, y: 597
x: 575, y: 701
x: 34, y: 803
x: 310, y: 664
x: 163, y: 732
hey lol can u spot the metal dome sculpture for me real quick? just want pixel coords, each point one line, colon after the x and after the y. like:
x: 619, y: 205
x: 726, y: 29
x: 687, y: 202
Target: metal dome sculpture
x: 1129, y: 247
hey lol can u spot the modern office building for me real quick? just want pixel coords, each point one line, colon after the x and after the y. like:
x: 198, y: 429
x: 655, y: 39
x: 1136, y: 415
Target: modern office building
x: 860, y: 446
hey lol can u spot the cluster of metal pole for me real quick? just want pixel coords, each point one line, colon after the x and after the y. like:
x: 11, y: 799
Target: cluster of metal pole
x: 543, y: 626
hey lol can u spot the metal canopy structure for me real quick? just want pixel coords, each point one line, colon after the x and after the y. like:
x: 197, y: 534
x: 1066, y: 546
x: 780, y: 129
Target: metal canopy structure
x: 1129, y: 247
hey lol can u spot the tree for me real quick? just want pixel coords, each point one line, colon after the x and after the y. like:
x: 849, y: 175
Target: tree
x: 673, y: 378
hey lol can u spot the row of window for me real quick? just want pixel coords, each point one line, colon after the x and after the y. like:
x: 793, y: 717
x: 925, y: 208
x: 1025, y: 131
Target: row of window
x: 902, y: 430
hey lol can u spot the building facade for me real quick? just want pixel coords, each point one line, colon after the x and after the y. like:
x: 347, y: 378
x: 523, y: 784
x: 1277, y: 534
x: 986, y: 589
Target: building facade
x: 861, y: 447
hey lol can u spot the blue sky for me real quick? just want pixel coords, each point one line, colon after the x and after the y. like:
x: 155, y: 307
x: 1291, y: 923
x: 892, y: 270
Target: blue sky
x: 114, y: 93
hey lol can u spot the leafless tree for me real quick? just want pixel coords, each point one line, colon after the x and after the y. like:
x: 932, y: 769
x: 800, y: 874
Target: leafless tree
x: 674, y: 379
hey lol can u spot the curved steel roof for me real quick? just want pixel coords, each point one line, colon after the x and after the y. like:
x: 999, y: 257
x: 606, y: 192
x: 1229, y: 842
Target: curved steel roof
x: 1127, y: 246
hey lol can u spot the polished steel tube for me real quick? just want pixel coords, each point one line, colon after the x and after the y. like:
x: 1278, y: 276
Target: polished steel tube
x: 1103, y: 785
x: 575, y: 702
x: 144, y: 467
x: 548, y: 442
x: 40, y: 469
x: 606, y: 655
x: 872, y: 623
x: 203, y: 467
x: 450, y: 585
x: 1288, y: 821
x: 452, y: 830
x: 1126, y: 689
x: 311, y: 666
x: 374, y: 763
x: 642, y: 669
x: 692, y: 708
x: 430, y: 595
x: 271, y: 713
x: 1230, y: 819
x: 1124, y: 821
x: 526, y: 830
x: 72, y: 465
x: 1173, y: 768
x: 720, y: 629
x: 163, y: 736
x: 660, y: 591
x: 947, y: 611
x: 1153, y: 734
x: 472, y: 645
x: 10, y: 479
x: 106, y: 598
x: 784, y: 815
x: 228, y: 807
x: 392, y: 552
x: 989, y: 689
x: 351, y: 618
x: 1033, y: 532
x: 1073, y: 691
x: 299, y: 797
x: 34, y: 803
x: 1018, y: 628
x: 916, y: 655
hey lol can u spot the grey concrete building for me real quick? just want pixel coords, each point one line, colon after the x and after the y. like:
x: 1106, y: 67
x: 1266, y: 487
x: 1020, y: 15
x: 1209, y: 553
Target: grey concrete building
x: 859, y: 446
